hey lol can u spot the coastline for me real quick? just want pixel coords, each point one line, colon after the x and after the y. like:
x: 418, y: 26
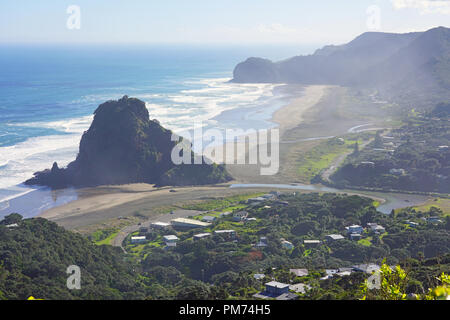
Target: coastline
x: 104, y: 198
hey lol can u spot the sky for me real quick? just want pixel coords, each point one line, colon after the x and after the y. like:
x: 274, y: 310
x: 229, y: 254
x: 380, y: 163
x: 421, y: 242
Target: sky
x: 213, y: 21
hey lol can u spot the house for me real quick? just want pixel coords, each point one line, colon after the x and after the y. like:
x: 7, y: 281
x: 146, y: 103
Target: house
x: 367, y: 163
x: 334, y: 237
x: 259, y: 276
x: 275, y: 288
x: 268, y: 196
x: 433, y: 220
x: 355, y: 236
x: 262, y: 243
x: 171, y: 240
x: 256, y: 200
x: 160, y: 225
x: 287, y: 245
x: 412, y: 224
x: 354, y: 229
x: 443, y: 148
x: 299, y: 288
x: 230, y: 234
x: 366, y: 268
x: 240, y: 216
x: 225, y: 214
x: 376, y: 228
x: 208, y: 219
x: 189, y: 223
x: 14, y: 225
x: 329, y: 273
x: 138, y: 239
x: 299, y: 272
x: 201, y: 236
x: 311, y: 243
x: 250, y: 219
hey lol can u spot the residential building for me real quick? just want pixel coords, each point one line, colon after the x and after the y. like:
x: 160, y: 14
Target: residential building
x: 201, y: 236
x: 208, y: 219
x: 366, y: 268
x: 287, y: 245
x: 275, y: 288
x: 138, y: 239
x: 259, y: 276
x: 171, y: 240
x: 311, y: 243
x: 230, y: 234
x: 299, y: 272
x: 240, y: 216
x: 189, y: 223
x: 299, y: 288
x: 160, y: 225
x: 334, y: 237
x: 262, y: 243
x: 354, y: 229
x: 355, y: 236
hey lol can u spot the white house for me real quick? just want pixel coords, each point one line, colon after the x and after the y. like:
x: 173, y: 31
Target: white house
x: 287, y: 245
x: 202, y: 236
x: 160, y: 225
x: 138, y: 239
x: 354, y: 229
x: 171, y: 240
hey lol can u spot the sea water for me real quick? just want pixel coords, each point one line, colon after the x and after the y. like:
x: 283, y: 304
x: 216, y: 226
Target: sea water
x: 49, y: 93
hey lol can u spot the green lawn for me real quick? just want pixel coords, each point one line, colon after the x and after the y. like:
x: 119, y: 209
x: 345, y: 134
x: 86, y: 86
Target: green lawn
x: 104, y: 237
x: 321, y: 157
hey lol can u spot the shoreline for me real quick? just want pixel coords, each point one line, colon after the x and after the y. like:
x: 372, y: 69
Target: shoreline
x: 99, y: 199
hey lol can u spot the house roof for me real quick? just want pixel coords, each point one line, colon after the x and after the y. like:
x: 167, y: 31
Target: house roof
x: 299, y: 272
x: 170, y: 237
x: 335, y: 236
x: 224, y: 231
x: 277, y: 284
x: 191, y: 222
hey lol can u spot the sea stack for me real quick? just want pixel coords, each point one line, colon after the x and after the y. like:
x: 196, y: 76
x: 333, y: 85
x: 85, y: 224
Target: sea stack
x: 124, y: 146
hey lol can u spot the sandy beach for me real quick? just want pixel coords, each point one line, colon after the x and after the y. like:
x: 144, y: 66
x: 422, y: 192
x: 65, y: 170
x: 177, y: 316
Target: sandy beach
x: 95, y: 205
x: 292, y: 115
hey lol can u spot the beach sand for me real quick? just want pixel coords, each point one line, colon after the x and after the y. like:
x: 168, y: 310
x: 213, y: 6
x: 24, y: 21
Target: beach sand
x: 292, y: 115
x: 95, y: 205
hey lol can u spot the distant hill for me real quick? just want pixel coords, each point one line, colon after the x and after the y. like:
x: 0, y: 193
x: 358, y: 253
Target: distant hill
x: 123, y: 146
x: 412, y: 66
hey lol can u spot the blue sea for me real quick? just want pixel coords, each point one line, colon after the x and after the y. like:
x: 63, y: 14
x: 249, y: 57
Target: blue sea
x: 48, y: 94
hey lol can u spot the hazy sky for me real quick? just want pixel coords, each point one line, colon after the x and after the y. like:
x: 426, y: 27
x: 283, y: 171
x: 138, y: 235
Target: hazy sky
x: 215, y: 22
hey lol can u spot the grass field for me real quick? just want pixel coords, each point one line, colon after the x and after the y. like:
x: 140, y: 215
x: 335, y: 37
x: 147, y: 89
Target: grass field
x: 441, y: 203
x: 220, y: 205
x: 105, y: 236
x: 322, y: 156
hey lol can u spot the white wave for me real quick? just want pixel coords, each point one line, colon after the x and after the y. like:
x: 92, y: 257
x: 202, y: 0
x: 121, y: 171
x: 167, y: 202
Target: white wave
x: 177, y: 111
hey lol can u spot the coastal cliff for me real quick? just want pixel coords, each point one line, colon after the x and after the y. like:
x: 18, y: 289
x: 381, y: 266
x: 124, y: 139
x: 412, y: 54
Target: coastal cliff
x: 124, y: 146
x: 405, y: 68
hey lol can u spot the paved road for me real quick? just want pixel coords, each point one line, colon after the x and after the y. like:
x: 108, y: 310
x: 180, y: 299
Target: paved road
x: 180, y: 213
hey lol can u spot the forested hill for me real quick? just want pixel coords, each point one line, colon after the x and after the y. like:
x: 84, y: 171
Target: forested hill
x: 410, y: 68
x: 36, y: 254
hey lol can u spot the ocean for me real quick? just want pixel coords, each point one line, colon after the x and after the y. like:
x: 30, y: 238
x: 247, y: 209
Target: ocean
x: 48, y: 94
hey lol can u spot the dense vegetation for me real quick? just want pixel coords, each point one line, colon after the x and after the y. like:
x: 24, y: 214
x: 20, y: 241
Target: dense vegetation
x: 36, y: 253
x: 415, y: 157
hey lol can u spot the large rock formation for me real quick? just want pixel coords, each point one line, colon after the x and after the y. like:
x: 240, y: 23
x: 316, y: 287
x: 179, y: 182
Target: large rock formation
x: 124, y: 146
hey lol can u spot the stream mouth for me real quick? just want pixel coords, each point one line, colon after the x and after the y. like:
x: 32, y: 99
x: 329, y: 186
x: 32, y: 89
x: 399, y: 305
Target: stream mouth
x: 393, y: 201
